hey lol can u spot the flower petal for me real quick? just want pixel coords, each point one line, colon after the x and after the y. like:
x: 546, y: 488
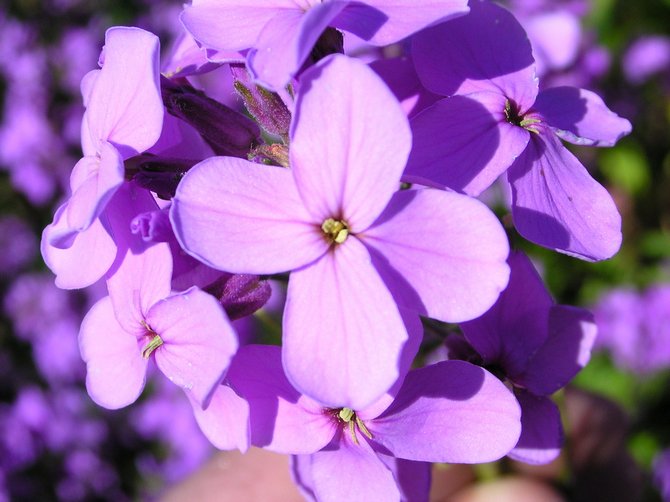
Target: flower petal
x: 94, y: 181
x: 343, y: 334
x: 367, y: 477
x: 244, y: 218
x: 225, y: 422
x: 581, y: 117
x: 412, y: 478
x: 441, y: 254
x: 231, y: 24
x: 464, y: 143
x: 541, y: 430
x: 522, y: 308
x: 282, y: 419
x: 349, y: 165
x: 400, y: 76
x: 115, y: 368
x: 285, y: 42
x: 125, y: 106
x: 138, y: 282
x: 486, y: 50
x: 73, y: 265
x: 572, y: 332
x: 451, y: 411
x: 198, y: 342
x: 557, y: 204
x: 384, y: 22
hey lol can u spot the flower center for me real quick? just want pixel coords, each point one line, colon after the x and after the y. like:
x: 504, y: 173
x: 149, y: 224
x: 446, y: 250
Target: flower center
x: 155, y: 342
x: 348, y: 416
x: 335, y: 230
x: 513, y: 116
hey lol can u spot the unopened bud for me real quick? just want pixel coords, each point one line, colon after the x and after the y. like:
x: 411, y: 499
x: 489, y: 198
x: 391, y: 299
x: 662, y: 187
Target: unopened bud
x: 228, y: 132
x: 265, y: 106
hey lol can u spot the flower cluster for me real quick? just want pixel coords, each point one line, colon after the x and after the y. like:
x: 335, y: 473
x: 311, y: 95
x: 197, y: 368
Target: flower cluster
x: 356, y: 183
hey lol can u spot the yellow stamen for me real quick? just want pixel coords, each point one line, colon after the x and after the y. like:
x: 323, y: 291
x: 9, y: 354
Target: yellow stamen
x: 148, y: 349
x: 336, y: 231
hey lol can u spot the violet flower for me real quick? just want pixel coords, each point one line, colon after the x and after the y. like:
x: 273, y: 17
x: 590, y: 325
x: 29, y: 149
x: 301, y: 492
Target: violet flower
x: 124, y: 116
x: 495, y: 121
x: 635, y: 328
x: 188, y: 334
x: 538, y: 346
x: 281, y: 33
x: 357, y: 247
x: 448, y: 412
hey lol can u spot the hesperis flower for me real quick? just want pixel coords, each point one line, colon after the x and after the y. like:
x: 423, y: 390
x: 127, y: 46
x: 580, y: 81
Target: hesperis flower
x: 187, y: 334
x: 495, y: 121
x: 358, y: 247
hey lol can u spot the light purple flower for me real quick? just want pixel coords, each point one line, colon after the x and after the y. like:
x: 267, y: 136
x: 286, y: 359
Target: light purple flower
x: 124, y: 116
x: 448, y: 412
x: 188, y: 334
x: 281, y: 33
x: 495, y: 121
x: 539, y: 346
x: 357, y: 246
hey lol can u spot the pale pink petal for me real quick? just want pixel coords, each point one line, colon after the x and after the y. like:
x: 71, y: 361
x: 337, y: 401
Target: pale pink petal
x: 140, y: 280
x: 93, y: 181
x: 115, y: 368
x: 86, y: 85
x: 285, y: 42
x: 441, y: 254
x: 451, y: 411
x: 350, y: 165
x: 231, y: 24
x: 343, y: 334
x: 125, y: 106
x: 198, y: 342
x: 244, y: 218
x: 225, y: 422
x: 384, y: 22
x: 87, y: 258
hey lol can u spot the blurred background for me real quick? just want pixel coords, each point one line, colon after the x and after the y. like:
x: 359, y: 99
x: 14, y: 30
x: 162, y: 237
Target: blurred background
x: 56, y: 444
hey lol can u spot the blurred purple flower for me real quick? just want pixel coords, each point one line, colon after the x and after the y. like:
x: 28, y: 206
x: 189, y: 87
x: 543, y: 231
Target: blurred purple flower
x: 645, y: 57
x: 635, y: 328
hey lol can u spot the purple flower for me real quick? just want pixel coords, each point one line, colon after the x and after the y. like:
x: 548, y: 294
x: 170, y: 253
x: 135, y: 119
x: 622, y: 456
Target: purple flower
x: 281, y: 33
x: 124, y: 116
x: 495, y: 121
x: 448, y: 412
x: 18, y: 244
x: 538, y: 346
x: 188, y: 334
x: 635, y: 328
x: 357, y: 246
x: 645, y: 57
x: 662, y: 474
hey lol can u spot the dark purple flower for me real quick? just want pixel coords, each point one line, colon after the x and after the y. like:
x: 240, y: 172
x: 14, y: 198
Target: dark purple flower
x: 495, y: 121
x: 537, y: 346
